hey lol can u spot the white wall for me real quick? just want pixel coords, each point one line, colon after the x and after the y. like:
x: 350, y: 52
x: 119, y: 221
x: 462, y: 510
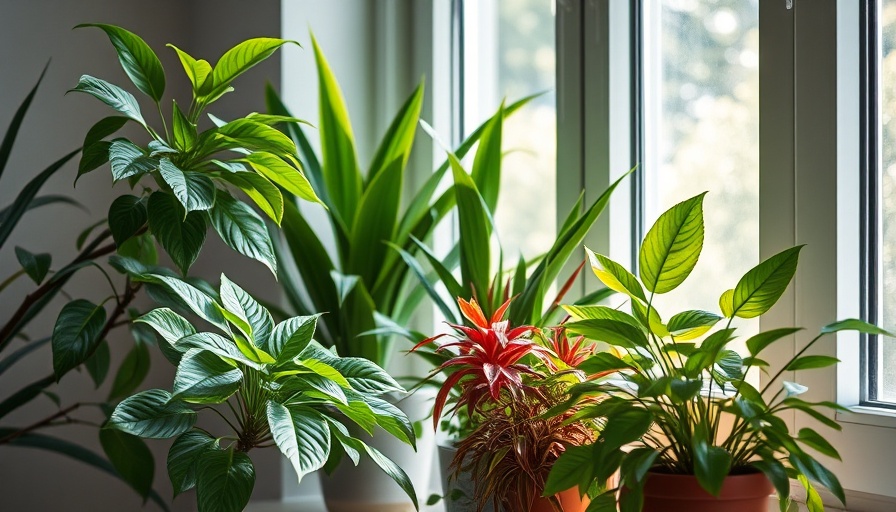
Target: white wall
x: 31, y: 31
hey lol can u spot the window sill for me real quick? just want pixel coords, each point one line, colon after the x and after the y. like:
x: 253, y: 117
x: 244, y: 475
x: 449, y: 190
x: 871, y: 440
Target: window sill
x: 870, y: 416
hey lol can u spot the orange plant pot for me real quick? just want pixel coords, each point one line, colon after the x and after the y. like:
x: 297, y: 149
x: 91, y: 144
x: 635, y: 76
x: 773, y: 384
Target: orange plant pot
x: 682, y: 493
x: 570, y: 501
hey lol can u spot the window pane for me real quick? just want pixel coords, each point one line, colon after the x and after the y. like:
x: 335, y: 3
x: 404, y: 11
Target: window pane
x: 509, y: 54
x: 701, y: 88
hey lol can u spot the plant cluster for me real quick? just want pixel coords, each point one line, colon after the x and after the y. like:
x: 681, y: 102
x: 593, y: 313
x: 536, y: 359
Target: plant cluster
x: 677, y: 380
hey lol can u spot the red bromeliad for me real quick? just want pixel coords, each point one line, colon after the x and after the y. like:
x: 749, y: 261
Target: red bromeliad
x: 488, y: 358
x: 571, y: 354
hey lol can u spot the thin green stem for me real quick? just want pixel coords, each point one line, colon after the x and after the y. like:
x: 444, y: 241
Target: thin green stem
x: 162, y: 117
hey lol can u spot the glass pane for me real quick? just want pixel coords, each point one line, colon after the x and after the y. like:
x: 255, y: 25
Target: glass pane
x: 509, y: 54
x: 886, y: 368
x: 701, y: 83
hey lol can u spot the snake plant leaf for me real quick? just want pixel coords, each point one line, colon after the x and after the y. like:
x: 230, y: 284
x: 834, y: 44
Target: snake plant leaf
x: 340, y: 171
x: 198, y: 71
x: 265, y: 194
x: 131, y: 457
x: 132, y: 372
x: 672, y: 246
x: 302, y: 435
x: 204, y: 378
x: 275, y: 169
x: 615, y: 276
x: 127, y: 214
x: 182, y: 458
x: 194, y: 190
x: 398, y: 140
x: 181, y: 237
x: 112, y: 95
x: 152, y: 414
x: 183, y: 131
x: 486, y: 171
x: 761, y: 287
x: 224, y: 480
x: 311, y: 259
x: 76, y: 334
x: 35, y: 265
x: 240, y: 59
x: 243, y: 230
x: 451, y: 284
x: 375, y: 222
x: 137, y: 59
x: 475, y: 231
x: 13, y: 131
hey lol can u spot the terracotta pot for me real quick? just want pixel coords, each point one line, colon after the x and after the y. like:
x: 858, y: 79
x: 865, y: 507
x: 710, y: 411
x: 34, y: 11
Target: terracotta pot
x: 682, y: 493
x: 570, y: 501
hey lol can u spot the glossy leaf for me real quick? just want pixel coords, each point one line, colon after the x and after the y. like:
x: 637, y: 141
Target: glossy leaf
x: 76, y: 334
x: 275, y: 169
x: 35, y: 265
x: 97, y: 365
x: 390, y: 468
x: 203, y: 378
x: 475, y: 231
x: 237, y: 301
x: 137, y: 59
x: 486, y: 171
x: 127, y: 160
x: 248, y: 134
x: 217, y: 344
x: 182, y: 129
x: 711, y: 466
x: 810, y: 362
x: 759, y: 342
x: 198, y: 71
x: 854, y: 324
x: 302, y: 435
x: 691, y: 324
x: 265, y: 194
x: 243, y: 230
x: 571, y: 468
x: 127, y: 214
x: 375, y: 223
x: 614, y: 332
x: 13, y: 131
x: 112, y: 95
x: 181, y: 237
x: 224, y: 480
x: 182, y: 458
x: 814, y: 440
x: 626, y: 426
x: 131, y: 458
x: 240, y: 59
x: 672, y: 246
x: 290, y: 337
x: 103, y: 128
x: 761, y: 287
x: 615, y: 276
x: 197, y: 300
x: 398, y: 140
x: 152, y: 414
x: 168, y: 324
x: 194, y: 191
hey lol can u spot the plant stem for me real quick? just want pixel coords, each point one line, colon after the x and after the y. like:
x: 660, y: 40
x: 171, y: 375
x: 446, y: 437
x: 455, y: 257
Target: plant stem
x: 42, y: 423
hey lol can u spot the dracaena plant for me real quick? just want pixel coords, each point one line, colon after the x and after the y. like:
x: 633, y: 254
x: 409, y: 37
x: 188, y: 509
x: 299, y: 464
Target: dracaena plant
x: 508, y: 378
x: 362, y: 281
x: 679, y: 378
x: 184, y: 175
x: 78, y: 337
x: 268, y: 384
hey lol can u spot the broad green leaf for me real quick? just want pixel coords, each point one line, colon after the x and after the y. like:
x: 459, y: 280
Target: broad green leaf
x: 341, y: 174
x: 570, y: 469
x: 776, y: 473
x: 398, y: 140
x: 198, y: 71
x: 240, y: 59
x: 375, y: 222
x: 615, y: 276
x: 812, y: 469
x: 76, y: 334
x: 810, y: 362
x: 243, y: 230
x: 251, y: 135
x: 35, y: 265
x: 681, y: 391
x: 814, y: 440
x: 127, y: 214
x: 711, y: 466
x: 626, y: 426
x: 224, y: 480
x: 181, y: 237
x: 290, y: 337
x: 102, y: 129
x: 168, y: 324
x: 265, y: 194
x: 392, y: 420
x: 691, y: 324
x: 131, y: 458
x: 112, y: 95
x: 761, y: 287
x: 636, y: 464
x: 854, y: 324
x: 759, y: 342
x: 203, y: 378
x: 128, y: 160
x: 183, y: 130
x: 132, y: 372
x: 152, y: 414
x: 302, y: 435
x: 275, y: 169
x: 195, y: 299
x: 138, y: 60
x: 603, y: 362
x: 194, y: 191
x: 182, y: 458
x: 474, y: 231
x: 363, y: 375
x: 672, y: 246
x: 238, y: 301
x: 93, y: 157
x: 217, y: 344
x: 97, y: 365
x: 614, y: 332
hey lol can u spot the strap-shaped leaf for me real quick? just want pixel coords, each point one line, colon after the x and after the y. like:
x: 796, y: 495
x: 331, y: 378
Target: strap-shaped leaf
x: 182, y: 458
x: 127, y: 214
x: 224, y: 480
x: 375, y: 223
x: 311, y: 259
x: 475, y: 231
x: 152, y: 414
x: 204, y: 378
x: 302, y: 435
x: 486, y: 172
x: 392, y: 420
x: 854, y: 324
x: 243, y: 230
x: 198, y: 71
x: 76, y: 334
x: 13, y: 131
x: 672, y: 246
x: 194, y: 191
x: 275, y: 169
x: 811, y: 362
x: 341, y: 174
x: 138, y: 60
x: 761, y: 287
x: 112, y: 95
x: 390, y: 468
x: 181, y: 237
x: 35, y: 265
x: 396, y: 144
x: 265, y: 194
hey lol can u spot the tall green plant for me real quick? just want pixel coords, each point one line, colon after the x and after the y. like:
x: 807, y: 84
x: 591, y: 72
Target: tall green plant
x: 363, y: 281
x: 678, y: 377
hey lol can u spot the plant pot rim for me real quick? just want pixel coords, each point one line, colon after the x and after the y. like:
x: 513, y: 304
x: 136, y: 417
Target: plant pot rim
x: 738, y: 486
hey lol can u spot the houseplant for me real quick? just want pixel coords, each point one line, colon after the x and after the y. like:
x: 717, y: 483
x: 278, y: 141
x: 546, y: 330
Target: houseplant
x: 280, y: 388
x: 683, y: 403
x: 509, y: 377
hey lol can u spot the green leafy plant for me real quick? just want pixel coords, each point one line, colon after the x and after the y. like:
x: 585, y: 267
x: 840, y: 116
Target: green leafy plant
x: 191, y: 173
x: 363, y: 282
x: 78, y: 338
x: 270, y: 384
x: 678, y: 378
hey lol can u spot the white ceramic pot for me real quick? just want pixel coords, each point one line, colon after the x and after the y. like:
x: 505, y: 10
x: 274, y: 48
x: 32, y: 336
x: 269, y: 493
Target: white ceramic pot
x: 366, y: 488
x: 458, y: 492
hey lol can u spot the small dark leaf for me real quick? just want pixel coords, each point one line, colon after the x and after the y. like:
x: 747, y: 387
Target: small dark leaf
x: 98, y: 364
x: 182, y: 238
x: 224, y: 480
x: 35, y: 265
x: 103, y: 128
x: 76, y: 334
x: 131, y: 458
x: 127, y: 214
x: 93, y: 157
x: 182, y: 457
